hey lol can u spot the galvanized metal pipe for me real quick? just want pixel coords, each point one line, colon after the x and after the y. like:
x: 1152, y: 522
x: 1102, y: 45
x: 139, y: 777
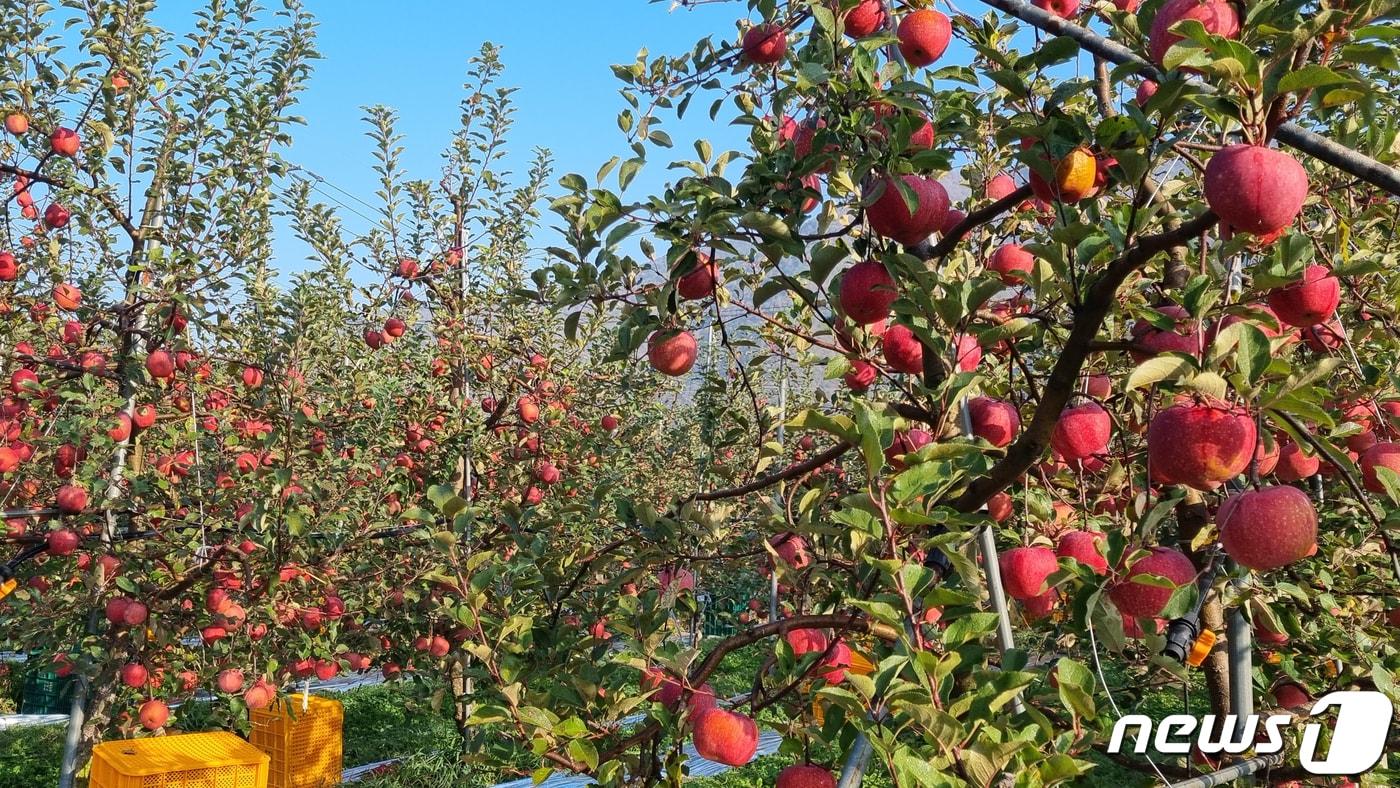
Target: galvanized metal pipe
x: 782, y: 436
x: 857, y: 760
x: 1241, y: 770
x: 1240, y: 648
x: 991, y: 567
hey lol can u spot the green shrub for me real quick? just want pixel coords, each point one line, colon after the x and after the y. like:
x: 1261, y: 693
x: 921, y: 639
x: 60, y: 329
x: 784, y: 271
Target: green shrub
x: 30, y: 756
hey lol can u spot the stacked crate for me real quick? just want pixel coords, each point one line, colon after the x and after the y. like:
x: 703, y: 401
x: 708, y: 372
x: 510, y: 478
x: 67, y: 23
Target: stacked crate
x: 304, y: 737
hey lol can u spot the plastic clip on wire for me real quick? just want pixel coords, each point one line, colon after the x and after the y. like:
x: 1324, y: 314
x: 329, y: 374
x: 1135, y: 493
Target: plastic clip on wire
x: 1186, y: 642
x: 8, y: 582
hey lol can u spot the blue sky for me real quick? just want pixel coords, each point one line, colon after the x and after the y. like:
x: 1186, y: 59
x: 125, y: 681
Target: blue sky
x: 556, y: 52
x: 414, y: 58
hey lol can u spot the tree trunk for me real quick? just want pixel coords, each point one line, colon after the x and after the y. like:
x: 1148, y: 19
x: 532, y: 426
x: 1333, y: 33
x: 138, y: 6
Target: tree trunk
x: 1192, y: 517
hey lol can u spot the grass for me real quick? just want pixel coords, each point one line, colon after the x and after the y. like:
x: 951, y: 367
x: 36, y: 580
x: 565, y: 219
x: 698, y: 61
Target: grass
x: 387, y: 721
x: 29, y: 757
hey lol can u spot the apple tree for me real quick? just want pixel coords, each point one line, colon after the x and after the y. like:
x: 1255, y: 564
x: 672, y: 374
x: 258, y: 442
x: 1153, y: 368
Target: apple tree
x: 1114, y: 280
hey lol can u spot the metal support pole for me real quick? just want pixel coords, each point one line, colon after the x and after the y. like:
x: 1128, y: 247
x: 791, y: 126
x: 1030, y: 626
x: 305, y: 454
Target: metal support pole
x: 1240, y: 648
x: 77, y: 716
x: 782, y: 436
x: 1241, y: 770
x: 853, y: 770
x: 991, y: 567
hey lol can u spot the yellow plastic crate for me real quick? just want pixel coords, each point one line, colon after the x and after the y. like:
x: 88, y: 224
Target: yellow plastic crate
x: 305, y: 745
x: 189, y: 760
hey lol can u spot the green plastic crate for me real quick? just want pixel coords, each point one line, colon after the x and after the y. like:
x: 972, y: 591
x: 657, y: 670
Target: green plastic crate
x: 46, y: 693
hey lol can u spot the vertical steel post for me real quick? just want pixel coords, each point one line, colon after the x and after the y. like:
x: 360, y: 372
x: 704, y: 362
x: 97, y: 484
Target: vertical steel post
x: 1239, y: 649
x: 991, y: 567
x: 782, y: 435
x: 853, y: 770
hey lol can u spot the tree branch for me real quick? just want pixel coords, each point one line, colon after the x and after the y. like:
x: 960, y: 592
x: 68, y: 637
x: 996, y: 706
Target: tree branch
x: 976, y: 219
x: 1060, y: 386
x: 1297, y: 137
x: 791, y: 472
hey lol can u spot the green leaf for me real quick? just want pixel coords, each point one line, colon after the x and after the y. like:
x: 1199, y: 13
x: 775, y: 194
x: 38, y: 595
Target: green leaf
x: 1390, y: 480
x: 839, y: 426
x: 1157, y: 369
x: 628, y: 171
x: 1060, y: 49
x: 767, y: 225
x: 967, y: 627
x: 583, y: 750
x: 1311, y: 76
x: 1076, y: 686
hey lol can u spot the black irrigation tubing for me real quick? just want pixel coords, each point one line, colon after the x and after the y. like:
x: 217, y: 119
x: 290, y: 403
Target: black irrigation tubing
x: 1297, y: 137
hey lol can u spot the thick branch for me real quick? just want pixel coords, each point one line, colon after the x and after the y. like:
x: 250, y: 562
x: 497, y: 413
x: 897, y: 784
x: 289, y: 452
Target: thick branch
x: 976, y: 219
x: 1060, y: 386
x: 1297, y: 137
x: 846, y: 621
x: 790, y: 472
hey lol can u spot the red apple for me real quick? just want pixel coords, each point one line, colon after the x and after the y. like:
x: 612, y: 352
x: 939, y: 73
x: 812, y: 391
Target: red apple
x: 1012, y: 263
x: 134, y: 675
x: 154, y: 714
x: 1309, y: 302
x: 672, y: 352
x: 867, y: 17
x: 1252, y: 188
x: 1086, y: 547
x: 1066, y: 9
x: 994, y: 421
x: 160, y: 364
x: 765, y: 44
x: 867, y: 292
x: 805, y: 776
x: 1268, y: 528
x: 861, y: 376
x: 1217, y: 16
x: 1382, y: 455
x: 725, y: 737
x: 229, y: 681
x: 1024, y: 570
x: 1199, y: 446
x: 1140, y: 600
x: 65, y: 142
x: 903, y: 350
x: 890, y: 216
x: 1082, y: 432
x: 700, y: 281
x: 923, y: 36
